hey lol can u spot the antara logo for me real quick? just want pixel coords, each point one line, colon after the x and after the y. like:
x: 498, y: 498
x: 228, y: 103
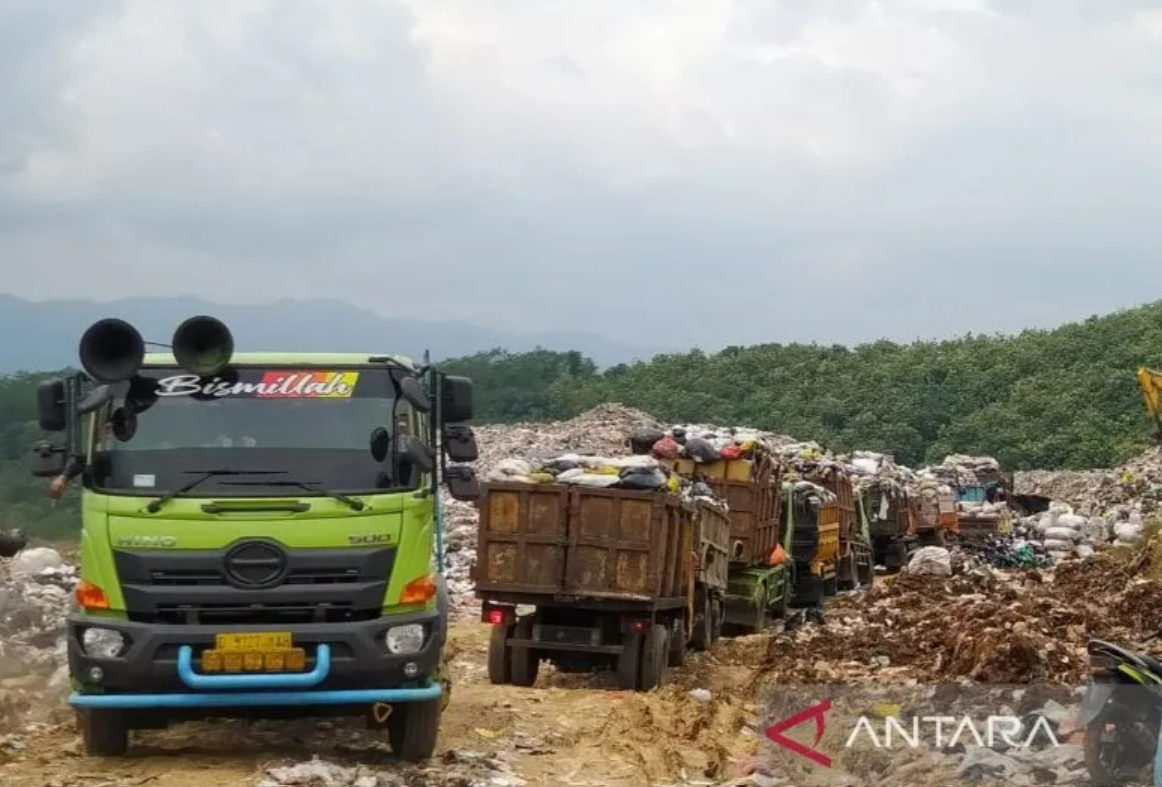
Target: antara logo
x: 148, y: 542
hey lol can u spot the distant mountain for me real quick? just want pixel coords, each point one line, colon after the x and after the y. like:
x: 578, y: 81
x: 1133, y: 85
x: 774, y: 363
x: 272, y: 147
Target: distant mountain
x: 44, y: 335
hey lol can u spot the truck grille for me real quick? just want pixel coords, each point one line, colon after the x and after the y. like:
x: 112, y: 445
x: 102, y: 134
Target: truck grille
x: 188, y: 587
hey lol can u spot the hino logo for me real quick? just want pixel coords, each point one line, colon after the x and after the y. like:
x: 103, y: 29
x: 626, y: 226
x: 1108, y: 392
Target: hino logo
x: 152, y: 542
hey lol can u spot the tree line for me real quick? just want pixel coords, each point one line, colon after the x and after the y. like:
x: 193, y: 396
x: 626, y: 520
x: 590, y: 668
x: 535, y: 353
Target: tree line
x: 1061, y: 398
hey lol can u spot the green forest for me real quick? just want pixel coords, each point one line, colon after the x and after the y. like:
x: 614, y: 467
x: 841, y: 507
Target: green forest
x: 1061, y: 398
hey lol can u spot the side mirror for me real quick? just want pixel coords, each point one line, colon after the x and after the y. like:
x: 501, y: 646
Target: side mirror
x: 460, y: 444
x: 124, y: 422
x: 47, y: 460
x: 412, y: 392
x: 380, y: 443
x: 455, y: 399
x: 50, y: 406
x: 417, y: 454
x: 462, y: 483
x: 96, y: 399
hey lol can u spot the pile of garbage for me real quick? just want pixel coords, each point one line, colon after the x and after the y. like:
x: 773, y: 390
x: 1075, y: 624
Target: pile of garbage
x: 1011, y: 627
x: 35, y: 596
x: 455, y: 768
x: 1130, y: 493
x: 1063, y: 534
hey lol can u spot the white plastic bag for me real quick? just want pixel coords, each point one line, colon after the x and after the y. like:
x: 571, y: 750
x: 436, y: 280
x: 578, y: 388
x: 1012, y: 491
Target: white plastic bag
x: 1071, y: 521
x: 1062, y: 534
x: 1055, y: 545
x: 931, y: 561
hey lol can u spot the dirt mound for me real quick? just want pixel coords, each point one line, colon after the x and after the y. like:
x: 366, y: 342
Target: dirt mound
x: 982, y: 625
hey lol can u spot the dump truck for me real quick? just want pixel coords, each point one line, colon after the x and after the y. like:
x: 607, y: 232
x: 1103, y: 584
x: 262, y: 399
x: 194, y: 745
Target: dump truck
x: 934, y: 512
x: 260, y: 532
x: 888, y: 510
x: 983, y: 507
x: 811, y: 517
x: 616, y: 578
x: 854, y: 563
x: 758, y: 588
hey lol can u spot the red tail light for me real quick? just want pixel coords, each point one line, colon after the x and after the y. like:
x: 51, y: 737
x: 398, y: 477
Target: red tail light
x: 496, y: 617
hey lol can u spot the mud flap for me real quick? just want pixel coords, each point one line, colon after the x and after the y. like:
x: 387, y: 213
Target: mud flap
x: 1097, y: 695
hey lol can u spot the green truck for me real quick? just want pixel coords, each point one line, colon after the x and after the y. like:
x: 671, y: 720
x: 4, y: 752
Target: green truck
x: 260, y: 532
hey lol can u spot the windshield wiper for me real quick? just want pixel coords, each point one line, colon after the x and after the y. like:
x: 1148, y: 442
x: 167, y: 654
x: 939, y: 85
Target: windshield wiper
x: 310, y: 486
x: 155, y: 505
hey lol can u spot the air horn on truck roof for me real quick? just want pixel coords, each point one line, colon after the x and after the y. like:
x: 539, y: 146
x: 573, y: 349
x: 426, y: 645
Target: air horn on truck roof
x: 112, y: 350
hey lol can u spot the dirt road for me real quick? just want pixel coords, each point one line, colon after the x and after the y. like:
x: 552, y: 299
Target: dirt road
x: 568, y: 730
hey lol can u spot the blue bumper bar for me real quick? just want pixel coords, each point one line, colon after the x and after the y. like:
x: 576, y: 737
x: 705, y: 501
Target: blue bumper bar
x: 242, y: 694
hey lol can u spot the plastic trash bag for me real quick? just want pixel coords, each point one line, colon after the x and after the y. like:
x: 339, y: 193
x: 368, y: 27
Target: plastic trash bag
x: 642, y: 478
x: 642, y: 441
x: 666, y: 448
x: 701, y: 451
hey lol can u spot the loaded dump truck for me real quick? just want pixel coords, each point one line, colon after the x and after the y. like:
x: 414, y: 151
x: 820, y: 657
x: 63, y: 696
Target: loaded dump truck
x: 260, y: 533
x: 614, y: 577
x: 983, y: 507
x: 759, y: 586
x: 854, y: 565
x: 811, y: 517
x: 934, y: 512
x: 888, y: 509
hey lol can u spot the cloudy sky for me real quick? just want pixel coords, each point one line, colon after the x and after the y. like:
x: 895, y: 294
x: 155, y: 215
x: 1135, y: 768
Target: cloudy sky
x: 661, y: 171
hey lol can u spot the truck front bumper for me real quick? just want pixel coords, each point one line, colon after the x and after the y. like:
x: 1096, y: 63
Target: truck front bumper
x: 347, y: 663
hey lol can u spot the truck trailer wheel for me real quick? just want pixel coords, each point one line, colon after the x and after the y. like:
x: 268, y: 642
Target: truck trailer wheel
x: 103, y: 732
x: 703, y: 634
x: 499, y: 656
x: 412, y: 729
x: 629, y: 662
x: 525, y: 661
x: 654, y: 654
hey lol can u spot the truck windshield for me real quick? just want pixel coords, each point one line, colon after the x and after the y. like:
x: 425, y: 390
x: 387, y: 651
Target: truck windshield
x: 313, y: 427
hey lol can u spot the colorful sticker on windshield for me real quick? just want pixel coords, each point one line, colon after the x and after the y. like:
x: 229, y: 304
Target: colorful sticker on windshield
x: 285, y: 384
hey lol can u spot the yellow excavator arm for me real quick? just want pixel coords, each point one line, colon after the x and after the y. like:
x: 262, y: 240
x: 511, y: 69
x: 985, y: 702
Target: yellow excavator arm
x: 1150, y: 381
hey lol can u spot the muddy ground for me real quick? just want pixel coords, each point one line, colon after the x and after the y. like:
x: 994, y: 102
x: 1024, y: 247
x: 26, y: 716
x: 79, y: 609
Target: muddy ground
x: 568, y: 730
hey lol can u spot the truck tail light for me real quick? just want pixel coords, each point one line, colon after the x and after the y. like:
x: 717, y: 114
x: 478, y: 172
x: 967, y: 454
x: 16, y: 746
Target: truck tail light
x: 496, y: 617
x: 639, y: 626
x: 418, y: 590
x: 89, y: 596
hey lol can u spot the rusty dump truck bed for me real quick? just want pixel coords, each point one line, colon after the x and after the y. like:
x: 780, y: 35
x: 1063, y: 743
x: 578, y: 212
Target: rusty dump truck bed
x: 581, y: 543
x: 752, y: 491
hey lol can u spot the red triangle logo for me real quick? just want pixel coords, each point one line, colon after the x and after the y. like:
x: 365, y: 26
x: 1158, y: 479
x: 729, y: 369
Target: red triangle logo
x: 816, y: 712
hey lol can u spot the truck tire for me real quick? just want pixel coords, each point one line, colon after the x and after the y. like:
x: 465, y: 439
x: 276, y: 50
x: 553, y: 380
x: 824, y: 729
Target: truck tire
x: 716, y: 620
x: 677, y: 652
x: 412, y: 729
x: 524, y: 661
x: 831, y: 586
x: 703, y: 634
x: 654, y: 654
x: 104, y: 733
x: 499, y: 656
x: 629, y: 662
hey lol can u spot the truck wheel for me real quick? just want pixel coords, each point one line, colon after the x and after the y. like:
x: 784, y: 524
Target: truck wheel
x: 499, y: 656
x: 677, y: 651
x: 703, y: 634
x: 848, y: 575
x: 715, y: 620
x: 103, y: 732
x: 412, y: 729
x: 524, y: 661
x: 831, y: 586
x: 784, y: 608
x: 629, y: 662
x: 654, y: 648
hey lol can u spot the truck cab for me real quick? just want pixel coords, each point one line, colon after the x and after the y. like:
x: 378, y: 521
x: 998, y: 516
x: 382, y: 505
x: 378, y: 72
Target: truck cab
x: 260, y: 532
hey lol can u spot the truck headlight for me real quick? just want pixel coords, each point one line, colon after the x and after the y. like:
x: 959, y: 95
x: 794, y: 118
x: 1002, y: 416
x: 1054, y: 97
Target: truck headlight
x: 102, y: 643
x: 405, y: 639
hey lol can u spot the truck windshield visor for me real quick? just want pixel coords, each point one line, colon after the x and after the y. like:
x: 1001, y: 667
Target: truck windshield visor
x: 309, y: 426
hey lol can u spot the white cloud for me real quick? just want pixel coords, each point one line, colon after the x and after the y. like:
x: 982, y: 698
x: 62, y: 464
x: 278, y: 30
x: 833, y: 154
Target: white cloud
x: 627, y: 154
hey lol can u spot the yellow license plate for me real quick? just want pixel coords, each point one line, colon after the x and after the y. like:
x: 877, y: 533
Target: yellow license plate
x: 273, y: 660
x: 265, y: 641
